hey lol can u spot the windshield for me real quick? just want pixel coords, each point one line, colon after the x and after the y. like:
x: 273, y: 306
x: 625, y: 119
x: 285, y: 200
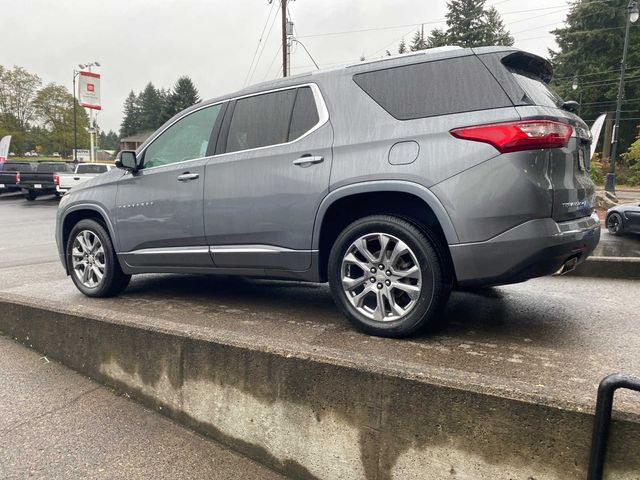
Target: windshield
x: 537, y: 91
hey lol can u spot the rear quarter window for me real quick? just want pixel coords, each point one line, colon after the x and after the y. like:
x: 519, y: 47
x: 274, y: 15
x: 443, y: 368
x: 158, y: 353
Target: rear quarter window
x: 434, y: 88
x: 17, y: 167
x: 52, y: 167
x: 91, y: 169
x: 536, y: 90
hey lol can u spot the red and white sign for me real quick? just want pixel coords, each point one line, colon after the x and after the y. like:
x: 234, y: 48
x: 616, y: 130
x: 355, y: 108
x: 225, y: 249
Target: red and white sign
x: 89, y: 90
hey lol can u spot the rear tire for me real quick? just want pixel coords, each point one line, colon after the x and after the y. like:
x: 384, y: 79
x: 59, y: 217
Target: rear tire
x: 614, y: 223
x: 30, y: 195
x: 92, y: 261
x: 407, y: 294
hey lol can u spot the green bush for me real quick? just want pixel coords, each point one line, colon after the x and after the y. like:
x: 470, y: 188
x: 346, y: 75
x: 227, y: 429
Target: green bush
x: 595, y: 172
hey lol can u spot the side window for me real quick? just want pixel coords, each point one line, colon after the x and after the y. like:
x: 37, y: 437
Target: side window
x: 305, y: 113
x: 260, y: 121
x: 439, y: 87
x: 184, y: 140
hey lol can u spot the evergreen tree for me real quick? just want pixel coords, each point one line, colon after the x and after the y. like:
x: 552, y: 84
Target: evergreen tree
x: 402, y: 48
x: 437, y: 38
x: 150, y: 108
x: 184, y: 94
x: 418, y: 42
x: 466, y: 22
x: 495, y: 32
x: 131, y: 121
x: 590, y: 46
x: 469, y: 24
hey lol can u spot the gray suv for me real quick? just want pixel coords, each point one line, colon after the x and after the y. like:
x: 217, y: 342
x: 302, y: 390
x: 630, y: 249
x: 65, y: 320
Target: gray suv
x: 394, y: 180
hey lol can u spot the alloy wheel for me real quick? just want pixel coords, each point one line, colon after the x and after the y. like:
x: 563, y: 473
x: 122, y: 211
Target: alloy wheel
x: 381, y: 277
x: 613, y: 223
x: 88, y: 260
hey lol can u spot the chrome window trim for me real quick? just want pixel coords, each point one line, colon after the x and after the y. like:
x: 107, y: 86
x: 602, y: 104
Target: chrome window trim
x: 321, y: 106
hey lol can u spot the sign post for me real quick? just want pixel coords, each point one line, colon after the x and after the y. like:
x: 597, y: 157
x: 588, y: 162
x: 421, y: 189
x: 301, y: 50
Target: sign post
x: 89, y: 96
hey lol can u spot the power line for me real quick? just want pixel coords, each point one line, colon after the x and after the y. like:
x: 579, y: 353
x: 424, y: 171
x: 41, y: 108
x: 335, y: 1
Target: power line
x: 432, y: 22
x: 258, y: 45
x: 272, y: 62
x: 273, y: 21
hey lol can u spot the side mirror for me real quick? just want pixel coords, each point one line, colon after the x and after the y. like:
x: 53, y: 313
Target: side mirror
x: 127, y: 160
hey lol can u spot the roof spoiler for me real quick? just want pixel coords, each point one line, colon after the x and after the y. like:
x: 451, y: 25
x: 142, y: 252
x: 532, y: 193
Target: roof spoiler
x: 529, y: 63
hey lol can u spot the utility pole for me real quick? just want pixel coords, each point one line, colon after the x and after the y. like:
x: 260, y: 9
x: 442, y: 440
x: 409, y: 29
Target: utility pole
x: 610, y: 183
x: 285, y: 49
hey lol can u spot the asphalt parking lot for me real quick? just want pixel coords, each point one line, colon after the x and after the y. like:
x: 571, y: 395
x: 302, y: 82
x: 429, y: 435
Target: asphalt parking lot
x: 549, y: 340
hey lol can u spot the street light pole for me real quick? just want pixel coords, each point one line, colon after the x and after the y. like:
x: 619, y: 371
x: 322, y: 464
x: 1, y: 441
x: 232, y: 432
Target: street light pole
x: 610, y: 184
x: 575, y: 86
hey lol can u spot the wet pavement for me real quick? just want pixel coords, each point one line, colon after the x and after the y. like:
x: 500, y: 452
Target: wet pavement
x: 55, y: 423
x: 549, y: 340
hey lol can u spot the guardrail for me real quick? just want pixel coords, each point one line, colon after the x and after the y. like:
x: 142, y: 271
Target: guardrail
x: 602, y: 420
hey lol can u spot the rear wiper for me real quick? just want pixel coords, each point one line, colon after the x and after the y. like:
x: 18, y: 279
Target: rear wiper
x: 570, y: 106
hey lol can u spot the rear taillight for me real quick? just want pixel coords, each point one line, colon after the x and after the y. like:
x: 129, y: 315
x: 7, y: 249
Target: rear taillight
x: 517, y: 136
x: 17, y: 177
x: 56, y: 179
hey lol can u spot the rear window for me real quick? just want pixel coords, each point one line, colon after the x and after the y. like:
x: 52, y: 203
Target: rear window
x: 17, y: 167
x: 536, y: 90
x: 52, y: 167
x: 91, y: 169
x: 434, y: 88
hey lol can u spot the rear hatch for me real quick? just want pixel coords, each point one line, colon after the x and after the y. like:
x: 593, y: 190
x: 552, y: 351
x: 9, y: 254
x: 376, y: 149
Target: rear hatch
x: 525, y: 77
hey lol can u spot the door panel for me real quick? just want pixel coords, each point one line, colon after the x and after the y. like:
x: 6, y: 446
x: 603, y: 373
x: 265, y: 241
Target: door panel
x: 155, y: 210
x: 266, y: 197
x: 160, y: 208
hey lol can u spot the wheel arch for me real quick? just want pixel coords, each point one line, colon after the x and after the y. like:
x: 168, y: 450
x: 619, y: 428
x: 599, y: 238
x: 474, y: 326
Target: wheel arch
x: 406, y: 199
x: 80, y: 212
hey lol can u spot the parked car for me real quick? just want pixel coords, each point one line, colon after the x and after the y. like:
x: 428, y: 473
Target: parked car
x: 10, y: 175
x: 83, y: 172
x: 40, y: 181
x: 623, y: 219
x: 394, y: 180
x: 55, y: 154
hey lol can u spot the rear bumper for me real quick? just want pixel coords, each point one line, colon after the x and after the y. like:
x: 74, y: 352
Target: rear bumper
x: 533, y: 249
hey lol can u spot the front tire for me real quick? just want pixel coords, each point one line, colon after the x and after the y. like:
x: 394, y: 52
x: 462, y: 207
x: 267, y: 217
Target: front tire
x: 387, y: 277
x: 614, y: 223
x: 92, y: 261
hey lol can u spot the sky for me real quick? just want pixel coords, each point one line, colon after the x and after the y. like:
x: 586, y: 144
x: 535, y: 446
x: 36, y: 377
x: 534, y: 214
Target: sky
x: 213, y: 41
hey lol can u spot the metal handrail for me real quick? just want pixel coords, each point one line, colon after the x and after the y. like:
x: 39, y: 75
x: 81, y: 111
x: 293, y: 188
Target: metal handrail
x: 602, y: 420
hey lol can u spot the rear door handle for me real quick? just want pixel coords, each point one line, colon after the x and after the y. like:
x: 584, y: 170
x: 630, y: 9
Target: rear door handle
x: 308, y: 160
x: 187, y: 177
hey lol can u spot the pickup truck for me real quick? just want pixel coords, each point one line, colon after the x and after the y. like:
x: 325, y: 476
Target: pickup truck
x: 84, y: 171
x: 10, y: 175
x: 40, y: 181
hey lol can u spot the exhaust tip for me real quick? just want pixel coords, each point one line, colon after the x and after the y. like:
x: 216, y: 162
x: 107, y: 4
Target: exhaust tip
x: 568, y: 266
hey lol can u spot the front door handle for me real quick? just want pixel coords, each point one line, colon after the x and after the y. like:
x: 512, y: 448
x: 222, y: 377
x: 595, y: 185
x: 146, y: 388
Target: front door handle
x: 308, y: 160
x: 187, y: 177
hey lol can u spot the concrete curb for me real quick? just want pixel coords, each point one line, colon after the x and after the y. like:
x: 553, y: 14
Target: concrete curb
x: 317, y: 419
x: 609, y: 267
